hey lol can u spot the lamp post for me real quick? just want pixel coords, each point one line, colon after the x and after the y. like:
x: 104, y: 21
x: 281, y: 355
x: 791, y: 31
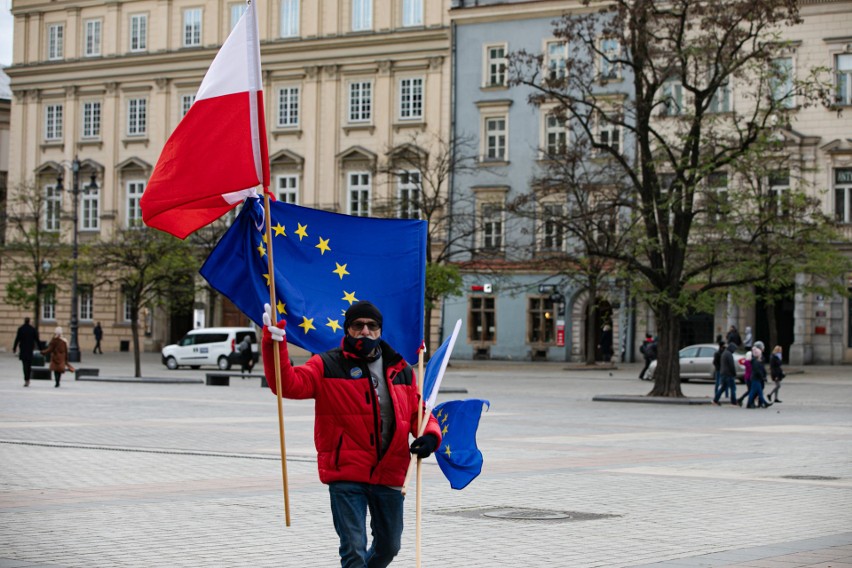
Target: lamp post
x: 74, y: 346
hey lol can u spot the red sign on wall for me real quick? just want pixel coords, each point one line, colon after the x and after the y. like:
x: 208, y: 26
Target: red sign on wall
x: 560, y: 333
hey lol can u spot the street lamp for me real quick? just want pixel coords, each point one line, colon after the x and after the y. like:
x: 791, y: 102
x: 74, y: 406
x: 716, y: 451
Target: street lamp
x: 74, y: 347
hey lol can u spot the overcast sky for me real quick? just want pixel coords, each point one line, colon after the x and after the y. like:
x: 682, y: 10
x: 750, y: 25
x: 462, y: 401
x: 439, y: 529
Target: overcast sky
x: 5, y: 32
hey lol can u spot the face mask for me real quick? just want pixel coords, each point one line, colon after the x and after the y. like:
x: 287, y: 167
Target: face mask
x: 361, y: 346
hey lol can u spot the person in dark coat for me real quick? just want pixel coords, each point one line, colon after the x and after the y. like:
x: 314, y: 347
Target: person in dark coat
x: 728, y: 370
x: 649, y: 352
x: 606, y: 344
x: 734, y: 336
x: 758, y: 380
x: 99, y: 334
x: 26, y: 340
x: 776, y: 372
x: 246, y: 355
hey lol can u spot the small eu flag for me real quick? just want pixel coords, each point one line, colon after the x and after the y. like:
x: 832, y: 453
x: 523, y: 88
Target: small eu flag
x: 324, y: 262
x: 458, y: 456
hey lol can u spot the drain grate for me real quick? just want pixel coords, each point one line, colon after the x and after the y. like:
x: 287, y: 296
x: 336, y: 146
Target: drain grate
x: 521, y: 514
x: 811, y: 477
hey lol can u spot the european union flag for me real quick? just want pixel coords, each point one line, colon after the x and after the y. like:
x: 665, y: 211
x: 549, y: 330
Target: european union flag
x: 458, y: 456
x: 324, y: 262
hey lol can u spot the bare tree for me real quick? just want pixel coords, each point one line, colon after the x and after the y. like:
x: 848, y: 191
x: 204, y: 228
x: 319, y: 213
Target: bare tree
x: 648, y: 84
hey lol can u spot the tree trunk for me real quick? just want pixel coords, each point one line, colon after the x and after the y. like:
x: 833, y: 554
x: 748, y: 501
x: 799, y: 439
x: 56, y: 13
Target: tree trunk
x: 591, y: 321
x: 772, y: 326
x: 667, y: 375
x: 134, y: 329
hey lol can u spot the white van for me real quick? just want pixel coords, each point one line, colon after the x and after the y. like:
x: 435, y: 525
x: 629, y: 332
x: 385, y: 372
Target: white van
x: 209, y: 346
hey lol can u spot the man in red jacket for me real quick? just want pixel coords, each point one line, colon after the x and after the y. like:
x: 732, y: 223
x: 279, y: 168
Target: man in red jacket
x: 366, y: 407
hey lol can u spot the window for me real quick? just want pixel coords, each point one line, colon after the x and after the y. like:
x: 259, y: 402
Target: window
x: 717, y: 196
x: 610, y: 53
x: 721, y: 99
x: 89, y: 210
x: 609, y: 132
x: 409, y: 195
x: 192, y: 27
x: 48, y: 302
x: 360, y: 101
x: 137, y: 117
x: 556, y: 60
x: 556, y: 135
x: 289, y: 18
x: 135, y: 189
x: 55, y: 41
x: 672, y: 98
x: 138, y: 32
x: 482, y: 318
x: 843, y: 195
x: 492, y: 227
x: 91, y: 119
x: 779, y: 192
x: 412, y: 12
x: 781, y: 82
x: 53, y: 122
x: 542, y: 323
x: 288, y: 189
x: 359, y: 194
x: 495, y: 66
x: 93, y: 38
x: 237, y: 11
x: 411, y: 98
x: 186, y: 102
x: 843, y: 74
x: 362, y: 15
x: 552, y: 229
x: 288, y: 107
x: 52, y: 207
x: 495, y: 139
x: 86, y: 305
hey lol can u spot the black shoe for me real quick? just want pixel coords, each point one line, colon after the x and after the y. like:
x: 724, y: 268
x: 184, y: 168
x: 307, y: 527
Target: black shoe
x: 776, y: 399
x: 56, y: 385
x: 27, y: 383
x: 766, y: 405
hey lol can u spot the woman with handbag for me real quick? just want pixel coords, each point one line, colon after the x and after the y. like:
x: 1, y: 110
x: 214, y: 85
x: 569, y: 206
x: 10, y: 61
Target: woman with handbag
x: 776, y: 372
x: 58, y: 351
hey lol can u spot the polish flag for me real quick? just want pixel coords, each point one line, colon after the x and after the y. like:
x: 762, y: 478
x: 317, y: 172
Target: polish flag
x: 217, y: 155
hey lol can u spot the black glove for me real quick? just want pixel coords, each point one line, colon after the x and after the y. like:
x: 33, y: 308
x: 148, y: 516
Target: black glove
x: 423, y: 446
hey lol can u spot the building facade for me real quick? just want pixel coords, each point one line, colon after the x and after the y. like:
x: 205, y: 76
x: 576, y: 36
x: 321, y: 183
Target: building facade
x: 346, y: 82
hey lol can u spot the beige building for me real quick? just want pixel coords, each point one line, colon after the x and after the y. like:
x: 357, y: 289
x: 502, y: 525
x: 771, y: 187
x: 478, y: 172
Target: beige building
x: 345, y: 83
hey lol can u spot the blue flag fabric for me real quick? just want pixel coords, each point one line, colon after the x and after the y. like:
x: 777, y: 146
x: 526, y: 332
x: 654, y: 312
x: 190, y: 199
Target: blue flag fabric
x: 458, y: 456
x: 324, y: 262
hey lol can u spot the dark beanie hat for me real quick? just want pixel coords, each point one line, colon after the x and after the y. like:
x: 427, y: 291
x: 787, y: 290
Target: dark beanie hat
x: 362, y: 309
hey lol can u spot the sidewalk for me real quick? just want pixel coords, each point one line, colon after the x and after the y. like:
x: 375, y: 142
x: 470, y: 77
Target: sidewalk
x: 140, y: 474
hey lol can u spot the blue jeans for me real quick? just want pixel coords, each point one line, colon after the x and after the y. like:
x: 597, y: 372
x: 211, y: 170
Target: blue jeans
x: 349, y: 504
x: 756, y: 392
x: 719, y: 385
x: 729, y: 383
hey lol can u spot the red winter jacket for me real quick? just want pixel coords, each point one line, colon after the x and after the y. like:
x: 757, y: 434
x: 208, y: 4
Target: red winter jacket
x: 347, y: 424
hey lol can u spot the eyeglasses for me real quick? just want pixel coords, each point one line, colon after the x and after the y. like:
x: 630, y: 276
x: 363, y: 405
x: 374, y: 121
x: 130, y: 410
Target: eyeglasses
x: 359, y: 325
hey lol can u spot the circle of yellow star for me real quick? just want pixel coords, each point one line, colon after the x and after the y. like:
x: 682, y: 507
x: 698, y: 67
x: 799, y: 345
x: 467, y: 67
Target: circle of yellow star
x: 307, y: 324
x: 323, y: 245
x: 334, y: 325
x: 302, y: 231
x: 349, y: 297
x: 279, y: 230
x: 340, y: 270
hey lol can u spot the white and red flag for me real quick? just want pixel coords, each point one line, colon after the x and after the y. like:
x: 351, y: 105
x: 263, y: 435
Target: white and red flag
x: 217, y: 155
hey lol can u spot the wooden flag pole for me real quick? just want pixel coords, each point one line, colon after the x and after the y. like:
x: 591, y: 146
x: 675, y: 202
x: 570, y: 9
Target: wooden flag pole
x: 420, y: 426
x: 277, y: 357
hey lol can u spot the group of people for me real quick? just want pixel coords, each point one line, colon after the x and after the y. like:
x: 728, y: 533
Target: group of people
x: 27, y: 341
x: 754, y: 362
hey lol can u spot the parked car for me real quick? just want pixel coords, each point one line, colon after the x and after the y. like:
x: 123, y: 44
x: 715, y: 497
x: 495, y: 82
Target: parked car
x: 696, y: 362
x: 209, y: 346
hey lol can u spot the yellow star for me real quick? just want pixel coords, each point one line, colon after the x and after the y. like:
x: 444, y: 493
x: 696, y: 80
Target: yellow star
x: 445, y: 418
x: 323, y: 245
x: 349, y: 297
x: 307, y: 324
x: 302, y: 231
x: 280, y: 307
x: 264, y: 239
x: 340, y: 270
x: 447, y: 451
x: 267, y: 279
x: 279, y: 230
x: 261, y: 250
x: 445, y: 430
x: 440, y: 413
x: 334, y: 325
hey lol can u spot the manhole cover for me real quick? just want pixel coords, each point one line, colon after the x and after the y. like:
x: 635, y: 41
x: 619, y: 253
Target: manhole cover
x: 811, y: 477
x: 526, y: 515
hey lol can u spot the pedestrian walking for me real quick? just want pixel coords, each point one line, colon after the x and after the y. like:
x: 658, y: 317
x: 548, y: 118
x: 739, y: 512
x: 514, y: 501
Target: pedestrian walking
x: 717, y: 362
x: 605, y: 344
x: 758, y: 380
x: 734, y: 336
x: 58, y: 351
x: 728, y: 370
x: 99, y: 334
x: 367, y: 405
x: 26, y: 340
x: 649, y: 352
x: 246, y: 355
x: 776, y: 371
